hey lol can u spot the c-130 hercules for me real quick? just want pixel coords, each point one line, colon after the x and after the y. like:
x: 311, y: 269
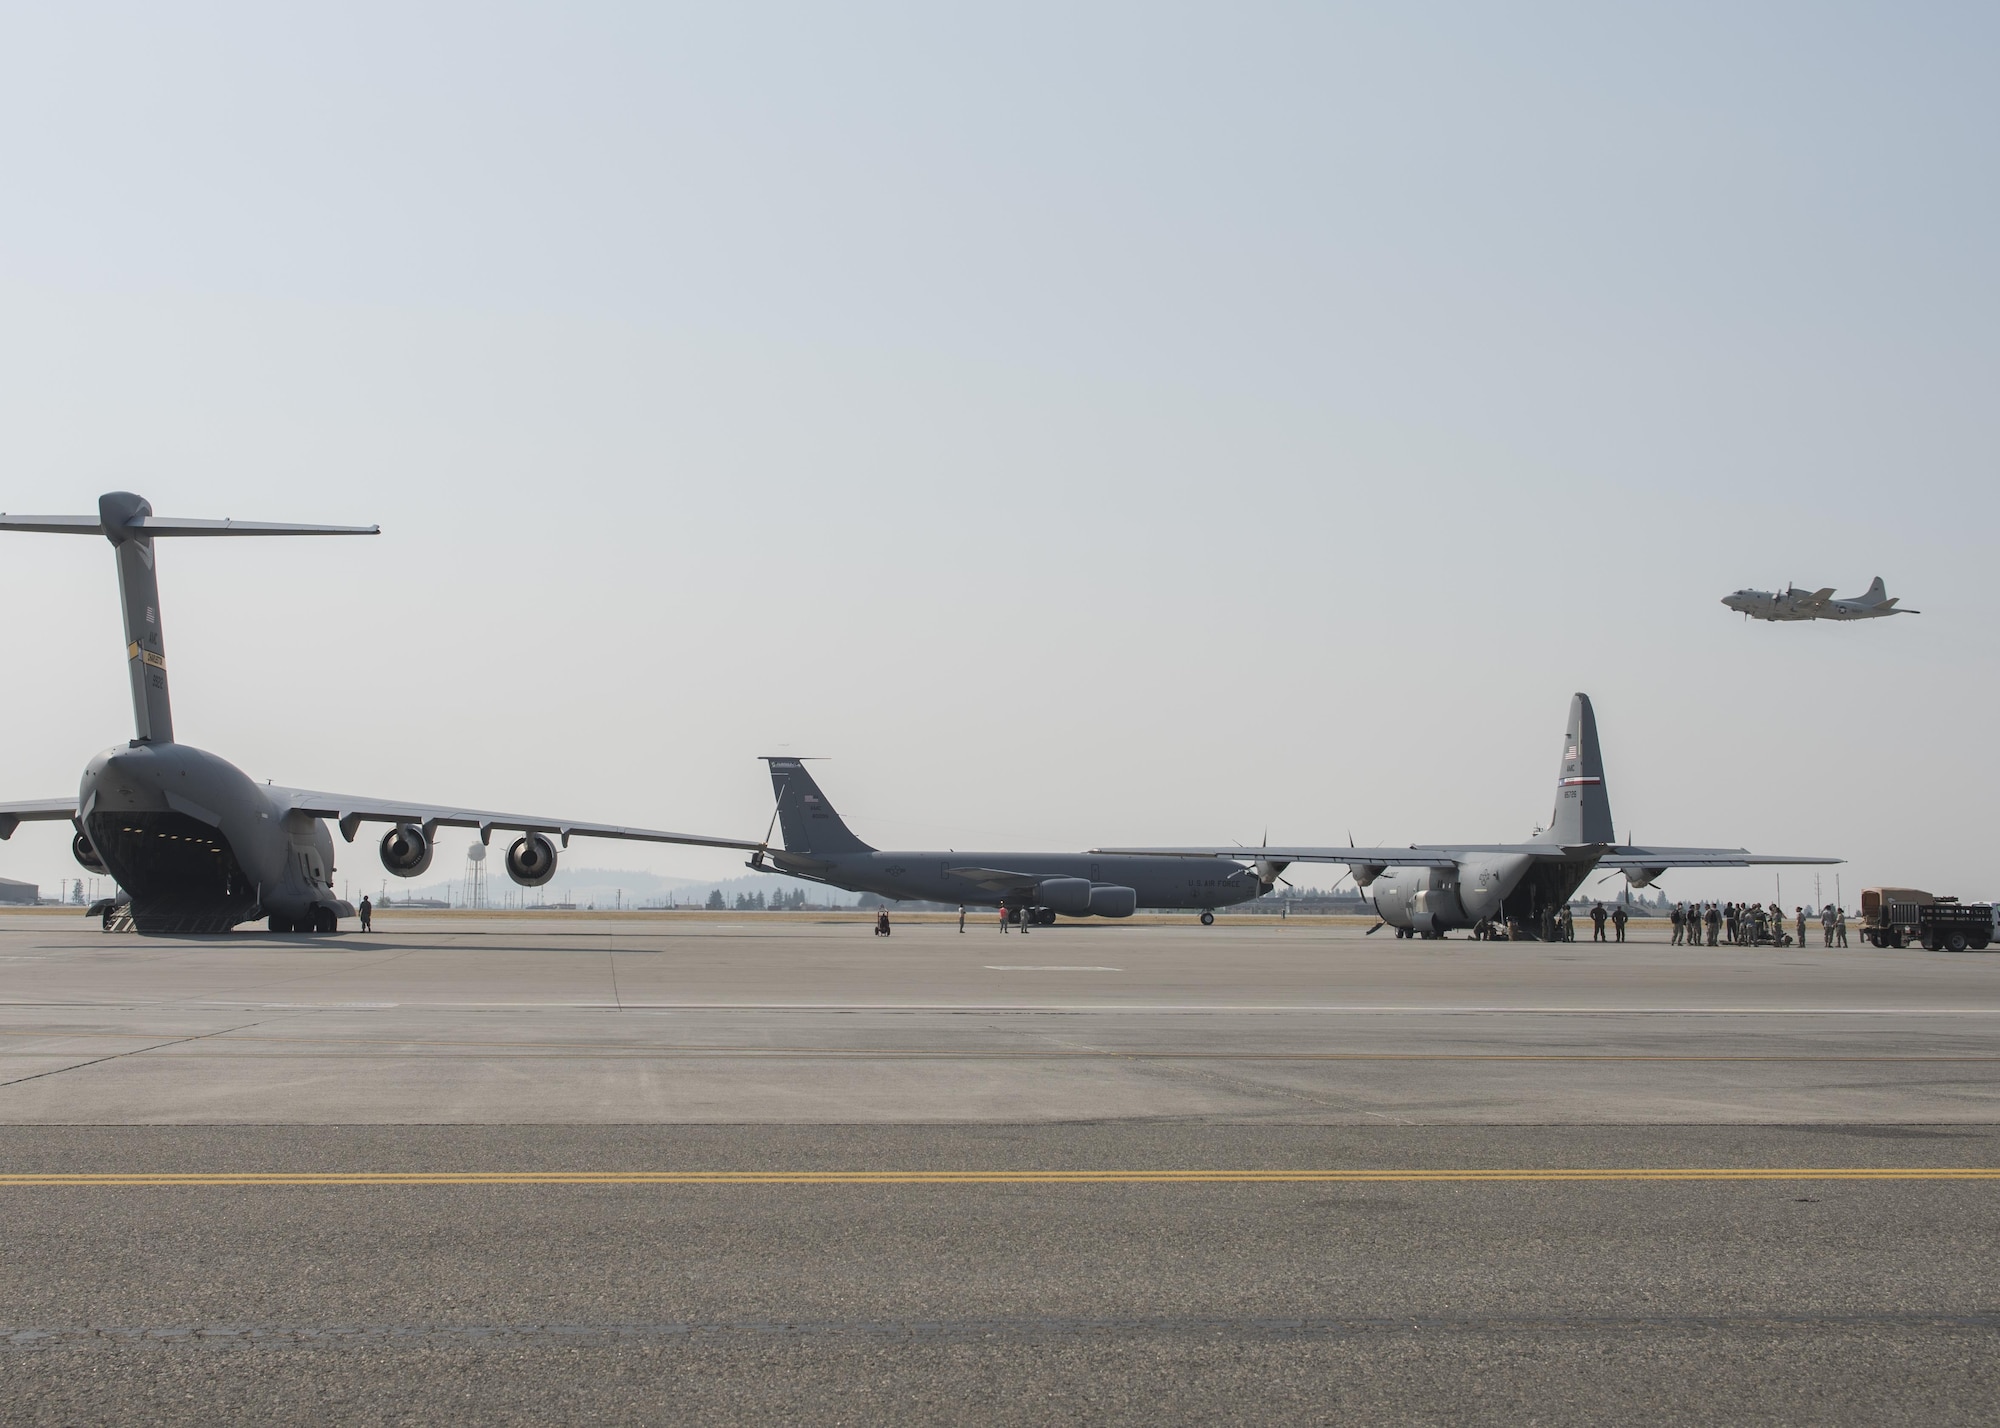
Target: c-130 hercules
x: 196, y: 845
x: 1427, y: 888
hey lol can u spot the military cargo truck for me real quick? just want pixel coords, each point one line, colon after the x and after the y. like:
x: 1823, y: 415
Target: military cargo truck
x: 1900, y: 917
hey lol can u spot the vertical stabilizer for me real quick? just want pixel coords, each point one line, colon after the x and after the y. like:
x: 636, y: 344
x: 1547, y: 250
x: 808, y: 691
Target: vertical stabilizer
x: 1877, y: 592
x: 128, y: 522
x: 808, y: 821
x: 1583, y: 807
x: 139, y: 587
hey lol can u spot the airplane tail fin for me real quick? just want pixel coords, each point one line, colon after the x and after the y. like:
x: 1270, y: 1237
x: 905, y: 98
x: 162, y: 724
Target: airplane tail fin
x: 1877, y: 592
x: 1583, y: 806
x: 810, y: 825
x: 128, y: 522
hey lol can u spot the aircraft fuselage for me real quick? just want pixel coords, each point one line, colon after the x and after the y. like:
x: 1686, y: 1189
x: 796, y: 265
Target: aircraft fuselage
x: 197, y: 844
x: 925, y: 877
x: 1501, y: 887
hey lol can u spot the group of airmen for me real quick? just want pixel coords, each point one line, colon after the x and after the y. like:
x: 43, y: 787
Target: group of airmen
x: 1751, y: 924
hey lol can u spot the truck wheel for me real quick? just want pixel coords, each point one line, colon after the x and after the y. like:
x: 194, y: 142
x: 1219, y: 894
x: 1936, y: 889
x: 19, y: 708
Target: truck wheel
x: 1956, y: 942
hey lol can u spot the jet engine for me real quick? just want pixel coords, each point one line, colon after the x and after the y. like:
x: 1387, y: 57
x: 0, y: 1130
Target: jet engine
x: 532, y: 860
x: 406, y: 851
x: 1069, y: 896
x: 1108, y: 901
x: 80, y: 849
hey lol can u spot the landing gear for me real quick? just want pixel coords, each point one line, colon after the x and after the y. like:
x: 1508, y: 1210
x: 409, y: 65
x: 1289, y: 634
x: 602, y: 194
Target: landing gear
x: 1208, y: 919
x: 1045, y: 917
x: 279, y: 923
x: 325, y: 919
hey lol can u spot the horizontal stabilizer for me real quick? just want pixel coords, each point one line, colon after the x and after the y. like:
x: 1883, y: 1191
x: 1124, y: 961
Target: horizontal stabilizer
x: 173, y: 526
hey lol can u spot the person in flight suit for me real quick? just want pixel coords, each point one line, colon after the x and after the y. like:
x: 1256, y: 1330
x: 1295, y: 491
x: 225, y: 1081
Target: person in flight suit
x: 1597, y: 918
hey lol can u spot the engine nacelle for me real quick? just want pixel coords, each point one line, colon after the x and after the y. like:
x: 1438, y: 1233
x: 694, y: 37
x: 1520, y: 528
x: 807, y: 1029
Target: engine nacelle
x: 1108, y: 901
x: 1643, y: 877
x: 531, y: 861
x: 406, y: 851
x: 1366, y: 873
x: 1069, y: 896
x: 80, y: 848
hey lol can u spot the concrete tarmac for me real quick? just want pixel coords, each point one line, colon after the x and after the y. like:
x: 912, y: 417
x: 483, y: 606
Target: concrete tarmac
x: 1482, y: 1231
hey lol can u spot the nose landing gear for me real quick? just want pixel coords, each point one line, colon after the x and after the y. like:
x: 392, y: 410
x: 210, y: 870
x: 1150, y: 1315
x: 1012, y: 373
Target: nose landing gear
x: 1208, y: 919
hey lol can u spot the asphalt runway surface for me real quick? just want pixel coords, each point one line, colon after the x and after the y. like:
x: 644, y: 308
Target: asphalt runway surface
x: 769, y: 1167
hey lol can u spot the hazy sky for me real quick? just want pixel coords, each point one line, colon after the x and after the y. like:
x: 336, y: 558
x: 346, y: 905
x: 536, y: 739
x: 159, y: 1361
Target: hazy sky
x: 1080, y: 423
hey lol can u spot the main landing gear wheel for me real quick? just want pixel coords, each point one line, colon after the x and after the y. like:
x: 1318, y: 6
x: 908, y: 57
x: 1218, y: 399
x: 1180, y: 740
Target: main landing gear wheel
x: 1208, y: 919
x: 279, y: 923
x: 325, y: 919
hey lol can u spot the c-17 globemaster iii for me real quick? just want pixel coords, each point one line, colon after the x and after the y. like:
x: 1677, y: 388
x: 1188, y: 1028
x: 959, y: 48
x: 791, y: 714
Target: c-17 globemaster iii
x: 1795, y: 604
x: 1428, y: 888
x: 195, y: 844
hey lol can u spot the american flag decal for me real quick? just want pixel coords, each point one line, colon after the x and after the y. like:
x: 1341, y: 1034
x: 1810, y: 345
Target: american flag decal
x: 1568, y: 782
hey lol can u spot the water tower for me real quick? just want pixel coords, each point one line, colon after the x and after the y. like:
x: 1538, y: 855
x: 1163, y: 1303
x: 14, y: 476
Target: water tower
x: 475, y: 875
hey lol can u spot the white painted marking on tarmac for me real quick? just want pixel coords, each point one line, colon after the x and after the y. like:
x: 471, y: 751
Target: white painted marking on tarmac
x: 1016, y: 968
x: 303, y: 1006
x: 1102, y: 1008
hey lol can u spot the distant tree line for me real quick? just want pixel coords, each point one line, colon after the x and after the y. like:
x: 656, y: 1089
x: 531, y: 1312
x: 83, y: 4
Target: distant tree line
x: 756, y: 902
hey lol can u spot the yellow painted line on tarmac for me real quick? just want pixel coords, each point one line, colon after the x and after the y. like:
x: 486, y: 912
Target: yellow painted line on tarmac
x: 1002, y: 1177
x: 640, y: 1048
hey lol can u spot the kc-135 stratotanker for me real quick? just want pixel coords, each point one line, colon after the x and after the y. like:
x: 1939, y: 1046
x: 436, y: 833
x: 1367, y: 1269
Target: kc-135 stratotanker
x: 1428, y: 888
x: 194, y: 843
x: 1032, y: 887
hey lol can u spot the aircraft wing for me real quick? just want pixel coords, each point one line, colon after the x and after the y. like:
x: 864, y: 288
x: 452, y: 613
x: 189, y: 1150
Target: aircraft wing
x: 1000, y: 879
x: 1386, y: 857
x: 1627, y: 857
x: 1447, y: 856
x: 13, y: 815
x: 350, y: 813
x: 1819, y: 598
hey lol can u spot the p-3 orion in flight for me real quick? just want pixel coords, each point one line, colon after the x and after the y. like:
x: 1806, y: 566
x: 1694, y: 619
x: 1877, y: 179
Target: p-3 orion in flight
x: 1794, y: 604
x: 195, y: 844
